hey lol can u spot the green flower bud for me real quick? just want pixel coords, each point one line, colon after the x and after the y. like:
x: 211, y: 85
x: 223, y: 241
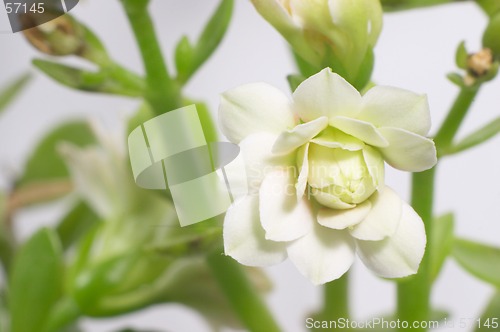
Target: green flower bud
x: 64, y: 36
x: 340, y: 34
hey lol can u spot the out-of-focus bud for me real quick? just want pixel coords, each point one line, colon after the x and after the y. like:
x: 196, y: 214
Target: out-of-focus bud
x: 64, y: 36
x: 329, y: 33
x: 481, y: 67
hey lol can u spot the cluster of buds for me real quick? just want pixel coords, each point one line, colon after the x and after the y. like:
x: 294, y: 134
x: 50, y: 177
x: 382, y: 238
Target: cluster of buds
x: 339, y: 34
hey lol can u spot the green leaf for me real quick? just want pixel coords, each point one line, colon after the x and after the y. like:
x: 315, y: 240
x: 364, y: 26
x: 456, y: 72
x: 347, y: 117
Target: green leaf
x: 294, y: 81
x: 4, y: 314
x: 9, y: 93
x: 76, y: 223
x: 490, y: 319
x: 45, y: 162
x: 184, y: 57
x: 480, y: 260
x: 36, y: 281
x: 212, y: 35
x: 461, y: 56
x: 491, y: 7
x: 479, y: 136
x: 442, y: 242
x: 456, y: 79
x: 108, y: 80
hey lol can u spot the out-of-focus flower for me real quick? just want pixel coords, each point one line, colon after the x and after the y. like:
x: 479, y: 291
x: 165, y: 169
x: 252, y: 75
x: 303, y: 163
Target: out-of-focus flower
x: 336, y: 33
x: 315, y: 168
x: 138, y: 255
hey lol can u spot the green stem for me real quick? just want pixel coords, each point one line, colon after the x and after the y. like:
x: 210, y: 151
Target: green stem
x: 162, y: 92
x: 243, y: 297
x: 335, y: 300
x: 454, y: 119
x: 414, y: 292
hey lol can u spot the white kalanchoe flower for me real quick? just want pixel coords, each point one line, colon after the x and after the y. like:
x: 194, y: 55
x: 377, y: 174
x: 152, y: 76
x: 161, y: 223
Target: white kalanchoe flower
x: 316, y: 174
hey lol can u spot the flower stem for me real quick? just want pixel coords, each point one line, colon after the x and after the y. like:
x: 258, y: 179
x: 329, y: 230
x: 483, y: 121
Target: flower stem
x: 162, y: 92
x: 335, y: 300
x: 414, y: 292
x: 454, y: 119
x: 243, y: 297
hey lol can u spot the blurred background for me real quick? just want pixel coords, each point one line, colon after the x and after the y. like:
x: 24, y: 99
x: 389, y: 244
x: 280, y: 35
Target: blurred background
x: 416, y: 50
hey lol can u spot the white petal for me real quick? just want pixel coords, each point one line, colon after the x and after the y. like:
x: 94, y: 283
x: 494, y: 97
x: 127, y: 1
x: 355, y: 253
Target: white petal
x: 341, y: 219
x: 244, y: 238
x: 284, y: 217
x: 408, y: 151
x: 303, y: 166
x: 326, y: 94
x: 322, y: 255
x: 334, y: 138
x: 361, y: 130
x: 290, y: 140
x: 375, y: 164
x: 399, y: 255
x: 382, y: 221
x: 254, y: 108
x: 392, y: 107
x: 327, y: 199
x: 259, y: 160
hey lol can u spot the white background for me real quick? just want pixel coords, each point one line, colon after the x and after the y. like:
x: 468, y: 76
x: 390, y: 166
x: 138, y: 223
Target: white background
x: 415, y: 51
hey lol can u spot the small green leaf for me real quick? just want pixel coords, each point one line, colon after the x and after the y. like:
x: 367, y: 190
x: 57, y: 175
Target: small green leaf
x: 461, y: 56
x: 76, y: 223
x: 45, y: 162
x: 490, y: 319
x: 36, y: 281
x: 104, y: 81
x: 442, y: 242
x: 294, y: 81
x: 478, y: 259
x: 209, y: 40
x: 479, y: 136
x: 456, y: 79
x: 184, y: 54
x: 9, y: 93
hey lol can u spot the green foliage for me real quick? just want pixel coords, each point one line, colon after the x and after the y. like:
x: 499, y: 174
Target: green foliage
x: 9, y: 93
x: 76, y: 223
x: 490, y: 316
x: 461, y: 56
x: 45, y: 163
x: 490, y: 36
x: 490, y: 7
x: 294, y: 81
x: 442, y: 243
x: 189, y: 58
x: 36, y: 281
x: 480, y: 260
x: 112, y: 80
x: 478, y: 137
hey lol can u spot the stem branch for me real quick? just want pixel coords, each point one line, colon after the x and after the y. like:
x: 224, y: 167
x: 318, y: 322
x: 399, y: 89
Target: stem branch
x: 241, y: 294
x: 162, y: 92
